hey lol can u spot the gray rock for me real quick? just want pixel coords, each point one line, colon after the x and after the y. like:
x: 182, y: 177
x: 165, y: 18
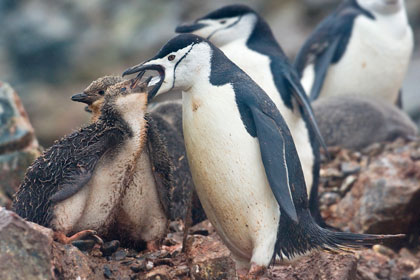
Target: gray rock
x: 18, y: 145
x: 357, y: 122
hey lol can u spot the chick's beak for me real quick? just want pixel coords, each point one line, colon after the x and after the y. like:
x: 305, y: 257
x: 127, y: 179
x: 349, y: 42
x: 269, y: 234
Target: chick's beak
x: 83, y: 97
x: 188, y: 28
x: 141, y: 70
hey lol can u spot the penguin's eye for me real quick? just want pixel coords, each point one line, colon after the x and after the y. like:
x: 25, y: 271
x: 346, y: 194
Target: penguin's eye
x: 222, y: 21
x: 101, y: 92
x: 171, y: 57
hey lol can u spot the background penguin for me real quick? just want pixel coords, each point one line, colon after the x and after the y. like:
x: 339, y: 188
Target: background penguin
x: 362, y: 48
x: 242, y: 157
x: 167, y: 119
x: 356, y: 122
x: 97, y: 178
x: 247, y: 40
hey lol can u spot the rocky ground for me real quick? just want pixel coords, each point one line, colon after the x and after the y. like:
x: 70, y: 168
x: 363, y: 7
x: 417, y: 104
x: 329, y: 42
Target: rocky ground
x: 373, y: 191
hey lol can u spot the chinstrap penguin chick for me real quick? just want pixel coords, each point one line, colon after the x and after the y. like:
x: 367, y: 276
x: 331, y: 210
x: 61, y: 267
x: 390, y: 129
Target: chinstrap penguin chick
x: 103, y: 177
x: 167, y: 117
x: 247, y: 40
x: 362, y: 48
x: 93, y: 95
x: 242, y: 157
x: 356, y: 122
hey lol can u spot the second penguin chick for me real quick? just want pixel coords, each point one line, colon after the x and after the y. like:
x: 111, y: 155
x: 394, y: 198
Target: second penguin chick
x: 355, y: 122
x: 80, y: 182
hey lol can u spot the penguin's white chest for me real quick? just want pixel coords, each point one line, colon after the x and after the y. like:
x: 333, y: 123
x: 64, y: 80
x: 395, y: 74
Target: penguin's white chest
x: 375, y: 61
x: 257, y: 66
x: 228, y: 173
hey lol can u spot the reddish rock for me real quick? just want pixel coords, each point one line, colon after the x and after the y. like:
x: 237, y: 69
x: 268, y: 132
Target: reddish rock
x: 25, y: 253
x: 209, y: 259
x: 385, y: 197
x: 317, y: 265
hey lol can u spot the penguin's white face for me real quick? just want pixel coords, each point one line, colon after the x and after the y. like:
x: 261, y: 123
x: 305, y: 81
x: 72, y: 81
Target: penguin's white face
x: 382, y: 6
x: 179, y: 68
x: 222, y: 31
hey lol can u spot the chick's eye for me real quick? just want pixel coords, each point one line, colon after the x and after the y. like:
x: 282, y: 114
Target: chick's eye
x: 101, y: 92
x: 222, y: 21
x: 171, y: 57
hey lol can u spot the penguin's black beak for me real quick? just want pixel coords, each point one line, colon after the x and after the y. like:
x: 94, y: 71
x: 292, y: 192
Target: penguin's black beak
x: 188, y: 28
x: 141, y: 69
x: 84, y: 98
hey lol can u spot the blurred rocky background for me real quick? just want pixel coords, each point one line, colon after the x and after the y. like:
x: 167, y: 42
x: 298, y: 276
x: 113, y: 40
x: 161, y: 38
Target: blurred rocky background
x: 51, y: 49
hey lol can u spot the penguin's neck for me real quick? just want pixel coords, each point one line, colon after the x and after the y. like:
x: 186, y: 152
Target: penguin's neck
x: 395, y: 24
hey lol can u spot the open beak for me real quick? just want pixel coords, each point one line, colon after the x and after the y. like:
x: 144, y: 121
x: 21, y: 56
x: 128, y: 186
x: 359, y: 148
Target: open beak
x: 141, y: 69
x: 188, y: 28
x: 84, y: 98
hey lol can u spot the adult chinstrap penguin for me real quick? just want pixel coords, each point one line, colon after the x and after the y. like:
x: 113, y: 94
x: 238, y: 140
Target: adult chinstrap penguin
x: 242, y: 157
x: 362, y: 48
x: 247, y: 40
x: 90, y: 179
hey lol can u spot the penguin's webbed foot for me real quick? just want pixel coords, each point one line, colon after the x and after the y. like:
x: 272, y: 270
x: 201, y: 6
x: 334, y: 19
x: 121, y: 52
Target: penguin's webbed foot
x: 255, y: 272
x: 81, y: 235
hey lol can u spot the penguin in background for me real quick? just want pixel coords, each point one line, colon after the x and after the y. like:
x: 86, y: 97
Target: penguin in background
x: 247, y: 40
x: 243, y: 160
x: 363, y: 47
x: 355, y: 122
x: 167, y: 119
x: 103, y: 178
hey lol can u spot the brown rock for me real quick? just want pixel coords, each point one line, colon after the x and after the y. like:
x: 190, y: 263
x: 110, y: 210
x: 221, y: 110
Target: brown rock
x: 209, y: 258
x: 384, y: 198
x: 25, y: 253
x: 318, y: 265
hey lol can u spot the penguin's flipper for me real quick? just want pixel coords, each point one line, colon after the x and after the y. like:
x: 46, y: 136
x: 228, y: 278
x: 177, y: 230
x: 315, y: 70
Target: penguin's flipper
x: 301, y: 97
x: 274, y: 157
x: 72, y: 186
x: 321, y: 68
x: 87, y: 158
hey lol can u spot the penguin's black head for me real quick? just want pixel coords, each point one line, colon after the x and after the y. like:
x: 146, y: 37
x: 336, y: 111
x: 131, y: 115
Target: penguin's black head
x: 224, y: 25
x: 180, y: 62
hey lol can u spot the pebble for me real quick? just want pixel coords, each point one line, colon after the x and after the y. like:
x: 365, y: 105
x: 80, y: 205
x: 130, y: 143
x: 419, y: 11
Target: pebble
x: 329, y: 198
x: 347, y: 183
x: 349, y: 168
x: 110, y: 247
x: 107, y: 272
x: 84, y: 245
x: 383, y: 250
x: 120, y: 255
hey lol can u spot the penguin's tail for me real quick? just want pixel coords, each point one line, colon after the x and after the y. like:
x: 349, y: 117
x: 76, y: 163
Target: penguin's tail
x: 297, y: 239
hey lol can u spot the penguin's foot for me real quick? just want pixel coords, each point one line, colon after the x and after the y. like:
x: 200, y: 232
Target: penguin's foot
x: 62, y: 238
x: 255, y: 272
x: 153, y: 245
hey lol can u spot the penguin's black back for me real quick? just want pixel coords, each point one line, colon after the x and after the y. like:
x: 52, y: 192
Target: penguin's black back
x: 68, y: 164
